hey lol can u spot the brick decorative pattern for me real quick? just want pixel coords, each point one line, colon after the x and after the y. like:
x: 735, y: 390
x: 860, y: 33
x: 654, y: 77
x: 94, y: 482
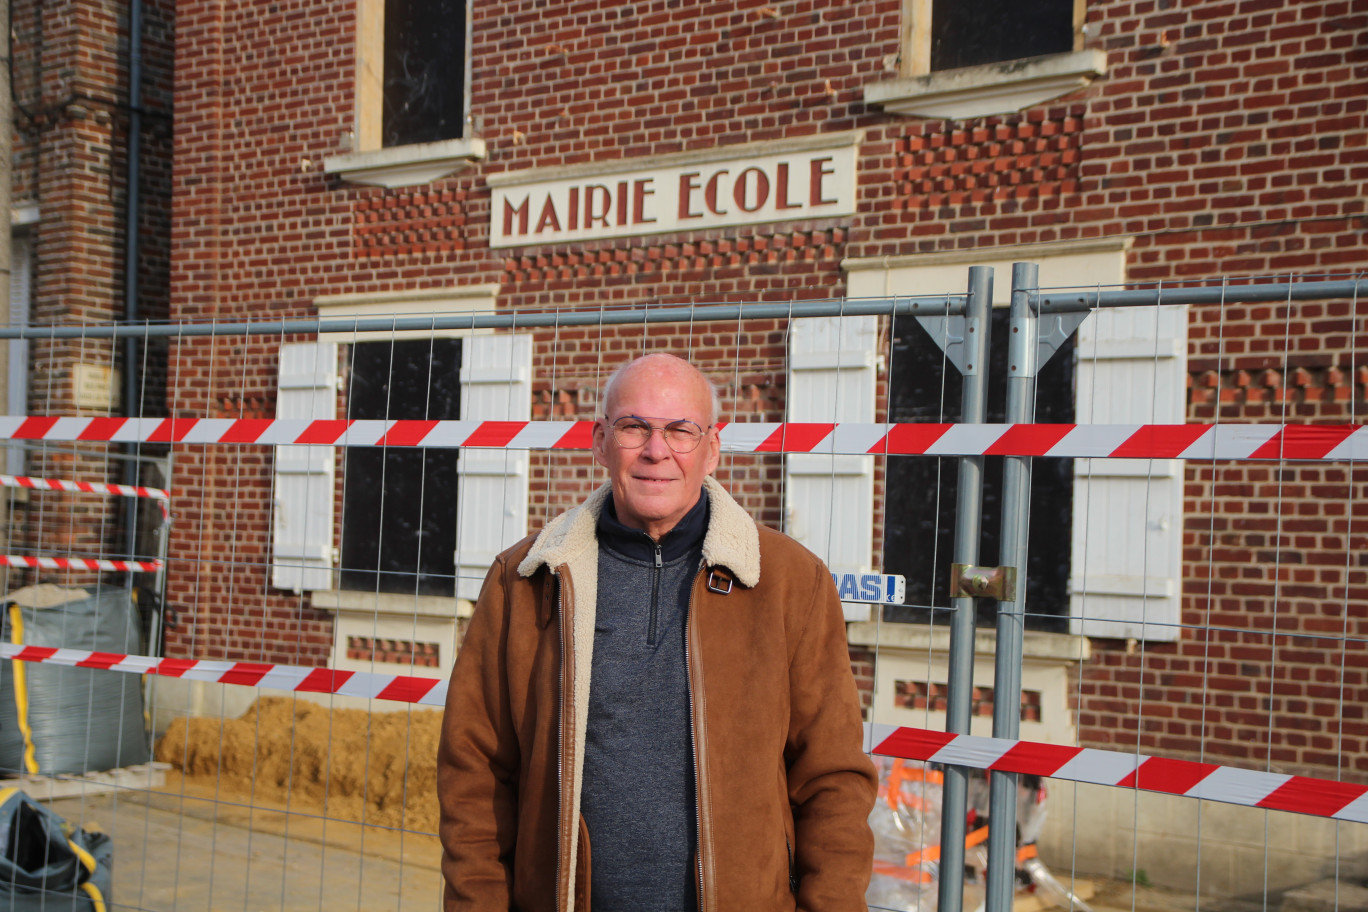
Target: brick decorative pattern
x: 994, y: 160
x: 405, y: 224
x: 670, y: 259
x: 1298, y: 386
x: 394, y: 652
x: 934, y: 697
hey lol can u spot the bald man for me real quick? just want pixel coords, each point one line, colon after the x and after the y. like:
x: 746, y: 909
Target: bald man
x: 653, y: 708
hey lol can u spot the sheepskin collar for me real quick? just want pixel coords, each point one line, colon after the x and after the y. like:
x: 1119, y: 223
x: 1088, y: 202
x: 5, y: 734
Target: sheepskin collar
x: 732, y: 540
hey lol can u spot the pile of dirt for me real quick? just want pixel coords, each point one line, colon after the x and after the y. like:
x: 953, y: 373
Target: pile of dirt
x: 378, y: 769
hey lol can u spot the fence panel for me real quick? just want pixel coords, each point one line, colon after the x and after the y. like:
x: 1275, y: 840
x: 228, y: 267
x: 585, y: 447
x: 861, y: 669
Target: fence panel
x: 1190, y: 687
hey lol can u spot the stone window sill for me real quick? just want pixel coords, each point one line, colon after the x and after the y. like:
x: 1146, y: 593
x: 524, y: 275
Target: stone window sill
x: 347, y: 600
x: 403, y: 166
x: 996, y: 88
x: 1060, y: 648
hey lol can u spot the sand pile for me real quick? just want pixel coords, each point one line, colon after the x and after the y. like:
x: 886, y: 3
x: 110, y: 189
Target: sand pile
x: 348, y: 764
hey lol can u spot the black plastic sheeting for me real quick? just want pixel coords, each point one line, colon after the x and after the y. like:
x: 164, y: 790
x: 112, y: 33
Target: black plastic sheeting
x: 40, y: 869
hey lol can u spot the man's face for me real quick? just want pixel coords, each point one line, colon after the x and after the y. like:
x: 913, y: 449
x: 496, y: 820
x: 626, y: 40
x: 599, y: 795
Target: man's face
x: 653, y: 486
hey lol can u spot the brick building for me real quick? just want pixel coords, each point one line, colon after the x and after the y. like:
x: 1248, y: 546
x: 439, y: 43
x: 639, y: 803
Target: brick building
x: 336, y: 160
x: 84, y: 251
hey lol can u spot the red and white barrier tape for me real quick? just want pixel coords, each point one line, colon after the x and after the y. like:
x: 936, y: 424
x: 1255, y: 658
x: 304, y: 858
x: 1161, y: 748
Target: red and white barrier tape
x: 1272, y: 791
x: 80, y: 563
x: 402, y: 688
x: 1251, y: 788
x: 59, y: 484
x: 1143, y: 441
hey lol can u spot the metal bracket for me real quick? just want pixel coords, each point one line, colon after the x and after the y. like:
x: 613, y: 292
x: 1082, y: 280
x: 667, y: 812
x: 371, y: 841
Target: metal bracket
x: 968, y: 581
x: 952, y: 335
x: 1053, y: 330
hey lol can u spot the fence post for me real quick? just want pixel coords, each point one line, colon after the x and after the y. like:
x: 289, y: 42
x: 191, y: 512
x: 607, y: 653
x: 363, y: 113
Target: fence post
x: 968, y: 507
x: 1022, y: 357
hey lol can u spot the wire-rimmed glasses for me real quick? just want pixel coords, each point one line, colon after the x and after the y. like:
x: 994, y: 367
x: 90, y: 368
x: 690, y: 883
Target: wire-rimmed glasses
x: 632, y: 431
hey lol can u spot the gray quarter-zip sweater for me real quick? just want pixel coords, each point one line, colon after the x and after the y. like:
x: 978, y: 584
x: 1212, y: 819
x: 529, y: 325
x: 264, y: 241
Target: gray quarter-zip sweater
x: 638, y: 791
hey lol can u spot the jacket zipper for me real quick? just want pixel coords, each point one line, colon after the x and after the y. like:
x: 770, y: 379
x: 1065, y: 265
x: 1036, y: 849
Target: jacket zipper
x: 693, y: 743
x: 655, y: 598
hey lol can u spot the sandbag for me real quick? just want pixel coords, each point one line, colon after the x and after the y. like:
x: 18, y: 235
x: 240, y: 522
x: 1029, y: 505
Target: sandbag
x: 49, y: 864
x: 56, y: 719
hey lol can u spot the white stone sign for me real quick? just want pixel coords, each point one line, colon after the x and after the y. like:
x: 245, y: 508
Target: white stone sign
x: 806, y: 178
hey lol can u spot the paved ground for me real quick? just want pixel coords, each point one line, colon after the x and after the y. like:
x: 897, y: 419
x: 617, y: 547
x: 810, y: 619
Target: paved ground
x: 176, y: 852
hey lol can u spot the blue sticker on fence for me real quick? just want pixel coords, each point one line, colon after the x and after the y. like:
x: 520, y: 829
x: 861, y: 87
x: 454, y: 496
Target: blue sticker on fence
x: 886, y: 588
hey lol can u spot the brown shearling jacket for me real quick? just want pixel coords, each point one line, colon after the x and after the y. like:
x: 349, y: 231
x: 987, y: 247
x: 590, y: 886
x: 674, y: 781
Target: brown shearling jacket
x: 784, y: 788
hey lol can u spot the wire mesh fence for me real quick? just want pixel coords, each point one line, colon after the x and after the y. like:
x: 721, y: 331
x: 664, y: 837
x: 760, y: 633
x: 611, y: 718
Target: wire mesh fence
x: 1187, y: 549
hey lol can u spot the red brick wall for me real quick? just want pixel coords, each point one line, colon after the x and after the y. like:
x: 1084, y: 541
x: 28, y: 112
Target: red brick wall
x: 1275, y: 590
x: 71, y: 136
x: 1227, y: 138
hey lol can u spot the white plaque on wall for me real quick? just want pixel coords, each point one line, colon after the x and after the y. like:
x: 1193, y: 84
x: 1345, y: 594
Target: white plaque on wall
x: 803, y: 178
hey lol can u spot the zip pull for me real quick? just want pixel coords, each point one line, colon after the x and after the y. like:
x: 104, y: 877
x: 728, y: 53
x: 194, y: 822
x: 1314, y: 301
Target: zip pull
x: 659, y: 563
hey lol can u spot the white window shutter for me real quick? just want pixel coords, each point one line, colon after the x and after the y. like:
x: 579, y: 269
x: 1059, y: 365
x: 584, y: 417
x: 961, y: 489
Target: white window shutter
x: 491, y: 509
x: 829, y: 499
x: 302, y: 531
x: 1126, y: 566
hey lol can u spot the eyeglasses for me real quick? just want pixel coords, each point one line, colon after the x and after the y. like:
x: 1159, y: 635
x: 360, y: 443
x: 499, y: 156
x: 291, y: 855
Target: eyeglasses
x: 631, y: 433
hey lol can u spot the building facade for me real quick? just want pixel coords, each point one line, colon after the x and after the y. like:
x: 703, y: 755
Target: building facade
x: 83, y: 250
x: 356, y: 160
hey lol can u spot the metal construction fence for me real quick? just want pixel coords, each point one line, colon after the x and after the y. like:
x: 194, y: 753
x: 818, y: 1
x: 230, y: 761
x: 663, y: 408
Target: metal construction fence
x: 1146, y: 505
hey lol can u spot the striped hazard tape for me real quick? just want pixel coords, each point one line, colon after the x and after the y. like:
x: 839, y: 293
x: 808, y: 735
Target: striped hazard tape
x: 402, y: 688
x: 59, y: 484
x: 1251, y: 788
x: 1144, y: 441
x: 80, y: 563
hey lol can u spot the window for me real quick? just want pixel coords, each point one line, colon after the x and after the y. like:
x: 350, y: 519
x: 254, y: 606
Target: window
x: 415, y: 521
x: 424, y: 76
x: 412, y: 94
x: 1119, y: 539
x: 920, y: 515
x: 963, y: 59
x: 398, y: 525
x: 411, y: 54
x: 965, y: 34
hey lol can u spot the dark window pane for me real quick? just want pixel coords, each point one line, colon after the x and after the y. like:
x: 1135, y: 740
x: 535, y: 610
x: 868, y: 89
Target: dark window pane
x: 425, y: 45
x: 399, y: 510
x: 971, y: 32
x: 919, y: 532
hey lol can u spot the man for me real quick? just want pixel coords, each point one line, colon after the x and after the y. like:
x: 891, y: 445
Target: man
x: 653, y: 708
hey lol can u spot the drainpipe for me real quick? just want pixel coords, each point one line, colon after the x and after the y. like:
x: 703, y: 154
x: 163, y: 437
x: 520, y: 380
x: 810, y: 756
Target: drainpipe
x: 132, y: 407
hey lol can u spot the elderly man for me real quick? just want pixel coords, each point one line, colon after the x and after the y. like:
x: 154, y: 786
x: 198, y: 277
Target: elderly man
x: 653, y: 708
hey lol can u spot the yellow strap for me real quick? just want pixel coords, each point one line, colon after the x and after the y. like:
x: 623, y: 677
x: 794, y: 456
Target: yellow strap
x: 88, y: 860
x: 85, y: 857
x: 96, y: 897
x: 6, y: 795
x: 21, y: 690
